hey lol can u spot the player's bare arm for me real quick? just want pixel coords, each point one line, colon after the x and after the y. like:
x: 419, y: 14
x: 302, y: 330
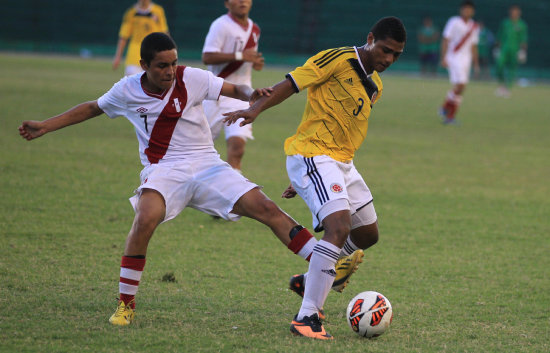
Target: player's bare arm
x: 444, y: 46
x: 215, y: 58
x: 279, y: 93
x: 244, y: 92
x: 31, y: 129
x: 475, y: 57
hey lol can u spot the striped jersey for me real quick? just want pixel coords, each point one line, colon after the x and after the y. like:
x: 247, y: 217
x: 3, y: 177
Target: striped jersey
x: 137, y: 24
x: 340, y: 96
x: 169, y: 126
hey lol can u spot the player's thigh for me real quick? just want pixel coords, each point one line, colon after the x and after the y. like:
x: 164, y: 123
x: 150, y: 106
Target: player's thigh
x: 171, y: 181
x: 361, y: 200
x: 217, y: 188
x: 320, y: 182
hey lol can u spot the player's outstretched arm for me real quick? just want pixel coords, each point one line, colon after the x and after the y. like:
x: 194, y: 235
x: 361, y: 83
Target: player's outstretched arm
x: 278, y: 94
x: 31, y: 129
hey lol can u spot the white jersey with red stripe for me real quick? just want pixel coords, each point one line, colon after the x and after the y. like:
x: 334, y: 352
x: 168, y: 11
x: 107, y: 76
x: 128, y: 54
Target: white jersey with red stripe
x: 170, y: 126
x: 461, y: 35
x: 226, y: 35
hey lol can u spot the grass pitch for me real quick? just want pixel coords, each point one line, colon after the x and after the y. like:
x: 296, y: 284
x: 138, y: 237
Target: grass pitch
x: 464, y: 254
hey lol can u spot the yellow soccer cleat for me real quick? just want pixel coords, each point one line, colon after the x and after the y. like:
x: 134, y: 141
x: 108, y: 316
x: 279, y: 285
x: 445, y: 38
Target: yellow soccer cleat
x: 123, y: 315
x: 345, y: 267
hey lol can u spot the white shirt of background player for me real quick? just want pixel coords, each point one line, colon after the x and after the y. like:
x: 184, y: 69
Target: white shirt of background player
x: 455, y: 32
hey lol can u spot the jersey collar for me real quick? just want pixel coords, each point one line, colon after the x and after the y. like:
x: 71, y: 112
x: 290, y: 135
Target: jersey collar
x: 360, y: 62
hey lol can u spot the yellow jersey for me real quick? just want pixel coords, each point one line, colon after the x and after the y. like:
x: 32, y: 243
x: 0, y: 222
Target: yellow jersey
x: 340, y: 96
x: 137, y: 24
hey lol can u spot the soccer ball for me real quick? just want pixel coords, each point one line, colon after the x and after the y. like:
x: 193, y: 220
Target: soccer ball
x: 369, y: 314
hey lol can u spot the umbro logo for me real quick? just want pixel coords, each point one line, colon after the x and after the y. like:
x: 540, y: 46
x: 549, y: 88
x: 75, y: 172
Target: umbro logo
x: 349, y: 81
x: 330, y: 272
x: 141, y: 110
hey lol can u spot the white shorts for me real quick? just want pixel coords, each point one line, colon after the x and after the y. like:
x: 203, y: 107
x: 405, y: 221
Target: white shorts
x: 132, y: 70
x: 327, y: 186
x: 214, y: 110
x: 459, y: 71
x: 209, y: 185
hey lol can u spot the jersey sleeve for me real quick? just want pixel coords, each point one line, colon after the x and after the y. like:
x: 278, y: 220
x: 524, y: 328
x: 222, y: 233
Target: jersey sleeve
x: 448, y: 30
x: 113, y: 103
x: 215, y: 38
x: 316, y: 70
x: 204, y: 83
x: 126, y: 26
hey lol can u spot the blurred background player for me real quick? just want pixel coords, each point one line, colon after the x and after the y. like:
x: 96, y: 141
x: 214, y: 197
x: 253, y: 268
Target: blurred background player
x: 458, y: 50
x: 511, y: 49
x: 428, y: 46
x: 231, y: 52
x: 342, y: 86
x: 485, y: 50
x: 143, y: 18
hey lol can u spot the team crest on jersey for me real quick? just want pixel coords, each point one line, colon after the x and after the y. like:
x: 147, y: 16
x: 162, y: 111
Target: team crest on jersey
x: 336, y: 188
x: 177, y: 105
x: 141, y: 110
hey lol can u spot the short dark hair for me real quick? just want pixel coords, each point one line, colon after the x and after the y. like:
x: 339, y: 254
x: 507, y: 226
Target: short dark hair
x: 468, y: 3
x: 391, y: 27
x: 154, y: 43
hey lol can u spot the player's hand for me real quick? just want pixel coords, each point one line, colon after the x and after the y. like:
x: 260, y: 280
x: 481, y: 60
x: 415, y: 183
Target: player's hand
x: 477, y: 70
x: 251, y: 55
x: 116, y: 62
x: 444, y: 63
x: 260, y: 92
x: 32, y: 129
x: 522, y: 56
x: 247, y: 116
x: 289, y: 192
x: 258, y: 64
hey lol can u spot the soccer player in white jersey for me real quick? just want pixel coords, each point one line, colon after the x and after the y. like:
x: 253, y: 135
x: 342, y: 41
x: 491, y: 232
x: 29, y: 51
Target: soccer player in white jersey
x: 458, y: 50
x: 181, y: 167
x: 231, y: 52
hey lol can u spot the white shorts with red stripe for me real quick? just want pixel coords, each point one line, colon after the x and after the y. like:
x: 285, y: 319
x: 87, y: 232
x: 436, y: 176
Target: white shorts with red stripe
x: 208, y: 184
x: 327, y: 186
x: 214, y: 113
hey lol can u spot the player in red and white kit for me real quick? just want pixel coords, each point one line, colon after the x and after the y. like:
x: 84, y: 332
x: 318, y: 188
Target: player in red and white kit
x: 231, y: 52
x: 181, y: 167
x: 458, y: 50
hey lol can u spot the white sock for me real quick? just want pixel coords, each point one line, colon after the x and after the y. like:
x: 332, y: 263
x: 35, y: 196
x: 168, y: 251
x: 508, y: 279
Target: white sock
x: 349, y: 247
x: 320, y: 278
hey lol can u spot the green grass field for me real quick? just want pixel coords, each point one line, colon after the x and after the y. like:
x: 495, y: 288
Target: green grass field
x: 464, y: 254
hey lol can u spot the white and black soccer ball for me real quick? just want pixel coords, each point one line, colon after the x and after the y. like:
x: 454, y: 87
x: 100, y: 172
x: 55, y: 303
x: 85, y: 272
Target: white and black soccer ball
x: 369, y: 314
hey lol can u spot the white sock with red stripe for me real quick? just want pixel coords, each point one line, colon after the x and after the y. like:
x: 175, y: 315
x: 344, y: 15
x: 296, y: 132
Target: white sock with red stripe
x: 131, y: 269
x: 302, y: 242
x: 320, y: 278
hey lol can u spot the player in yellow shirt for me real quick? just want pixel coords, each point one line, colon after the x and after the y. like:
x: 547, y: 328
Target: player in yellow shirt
x: 143, y: 18
x: 342, y: 84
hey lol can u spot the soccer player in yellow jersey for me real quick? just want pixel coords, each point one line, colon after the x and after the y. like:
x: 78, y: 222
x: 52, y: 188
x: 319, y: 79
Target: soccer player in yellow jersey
x: 343, y: 85
x: 143, y: 18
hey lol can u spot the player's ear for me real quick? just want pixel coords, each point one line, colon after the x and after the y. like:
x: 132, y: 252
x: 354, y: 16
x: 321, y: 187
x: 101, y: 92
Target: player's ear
x: 370, y: 39
x: 143, y: 65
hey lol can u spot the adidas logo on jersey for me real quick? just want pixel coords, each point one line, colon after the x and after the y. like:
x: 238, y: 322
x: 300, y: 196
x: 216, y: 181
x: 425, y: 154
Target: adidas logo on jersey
x: 349, y: 81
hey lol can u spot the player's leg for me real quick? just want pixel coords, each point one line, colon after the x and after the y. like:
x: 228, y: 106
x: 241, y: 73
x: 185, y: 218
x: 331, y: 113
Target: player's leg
x: 321, y: 272
x: 150, y: 212
x: 235, y: 151
x: 236, y: 137
x: 256, y: 205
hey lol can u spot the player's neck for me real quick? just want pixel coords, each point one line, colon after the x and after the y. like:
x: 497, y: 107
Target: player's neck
x: 364, y: 57
x: 149, y: 87
x: 240, y: 19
